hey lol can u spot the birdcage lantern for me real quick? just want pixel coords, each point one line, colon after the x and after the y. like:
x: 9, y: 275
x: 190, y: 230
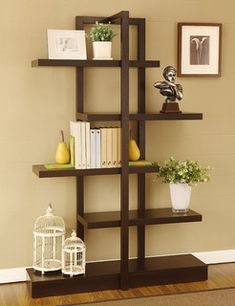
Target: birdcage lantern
x: 73, y: 256
x: 49, y: 231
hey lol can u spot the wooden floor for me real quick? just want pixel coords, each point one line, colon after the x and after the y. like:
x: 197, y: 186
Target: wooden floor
x: 220, y: 276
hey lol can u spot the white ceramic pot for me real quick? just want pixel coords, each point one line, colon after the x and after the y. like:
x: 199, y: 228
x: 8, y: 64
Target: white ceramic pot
x: 180, y: 197
x: 102, y: 50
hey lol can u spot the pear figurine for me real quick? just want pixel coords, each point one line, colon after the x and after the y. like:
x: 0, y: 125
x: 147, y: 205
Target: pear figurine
x: 62, y: 155
x: 134, y: 151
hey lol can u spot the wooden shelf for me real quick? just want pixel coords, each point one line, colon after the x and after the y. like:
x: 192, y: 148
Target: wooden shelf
x: 124, y: 273
x: 106, y: 275
x: 139, y: 116
x: 93, y: 63
x: 42, y: 172
x: 150, y: 216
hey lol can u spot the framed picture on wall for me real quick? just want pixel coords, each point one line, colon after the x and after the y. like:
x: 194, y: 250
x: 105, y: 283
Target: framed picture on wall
x: 66, y: 44
x: 199, y: 49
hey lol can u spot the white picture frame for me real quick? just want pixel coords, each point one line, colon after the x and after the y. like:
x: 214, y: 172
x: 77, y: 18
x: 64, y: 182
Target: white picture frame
x: 66, y: 44
x: 199, y: 49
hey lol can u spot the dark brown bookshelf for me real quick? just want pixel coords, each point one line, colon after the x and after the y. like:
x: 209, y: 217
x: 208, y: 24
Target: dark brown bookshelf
x: 124, y: 273
x: 148, y: 217
x: 140, y: 116
x: 41, y: 171
x: 93, y: 63
x: 106, y: 275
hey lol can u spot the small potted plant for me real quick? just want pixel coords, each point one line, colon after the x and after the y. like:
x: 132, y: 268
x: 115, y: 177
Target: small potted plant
x: 181, y: 176
x: 101, y: 36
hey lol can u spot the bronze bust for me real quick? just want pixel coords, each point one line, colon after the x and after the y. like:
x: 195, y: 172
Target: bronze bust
x: 170, y: 90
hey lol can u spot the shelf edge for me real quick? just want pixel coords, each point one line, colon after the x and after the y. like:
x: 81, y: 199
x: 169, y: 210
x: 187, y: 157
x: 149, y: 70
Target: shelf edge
x: 138, y: 116
x: 112, y: 218
x: 93, y: 63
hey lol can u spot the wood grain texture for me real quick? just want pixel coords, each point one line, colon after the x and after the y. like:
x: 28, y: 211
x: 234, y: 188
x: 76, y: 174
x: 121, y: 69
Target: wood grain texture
x: 220, y: 276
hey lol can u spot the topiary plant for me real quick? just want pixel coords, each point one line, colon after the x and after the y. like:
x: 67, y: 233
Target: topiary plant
x: 101, y: 32
x: 186, y: 172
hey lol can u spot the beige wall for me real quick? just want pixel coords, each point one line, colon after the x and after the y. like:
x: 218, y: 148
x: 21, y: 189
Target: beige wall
x: 37, y: 102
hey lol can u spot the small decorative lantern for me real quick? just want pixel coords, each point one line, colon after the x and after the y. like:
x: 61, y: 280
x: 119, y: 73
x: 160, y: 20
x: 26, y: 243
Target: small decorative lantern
x: 49, y: 231
x: 73, y: 256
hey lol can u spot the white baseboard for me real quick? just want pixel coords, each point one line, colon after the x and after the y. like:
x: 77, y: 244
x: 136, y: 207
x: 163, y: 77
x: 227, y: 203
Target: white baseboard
x: 212, y: 257
x: 216, y: 257
x: 13, y: 275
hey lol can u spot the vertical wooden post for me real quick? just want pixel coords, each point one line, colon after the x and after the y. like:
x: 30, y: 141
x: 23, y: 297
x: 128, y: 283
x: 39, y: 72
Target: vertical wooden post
x: 125, y: 138
x: 80, y: 109
x: 141, y: 137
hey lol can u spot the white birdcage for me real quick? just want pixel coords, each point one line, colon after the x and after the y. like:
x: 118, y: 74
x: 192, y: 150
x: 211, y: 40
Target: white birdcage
x: 49, y: 231
x: 73, y: 256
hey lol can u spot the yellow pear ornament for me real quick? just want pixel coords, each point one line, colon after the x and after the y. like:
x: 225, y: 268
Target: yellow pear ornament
x: 62, y: 155
x: 134, y: 151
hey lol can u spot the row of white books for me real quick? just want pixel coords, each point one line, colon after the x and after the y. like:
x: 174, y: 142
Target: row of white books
x: 95, y: 147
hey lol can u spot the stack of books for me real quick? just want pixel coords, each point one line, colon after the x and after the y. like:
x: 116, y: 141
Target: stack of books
x: 94, y: 147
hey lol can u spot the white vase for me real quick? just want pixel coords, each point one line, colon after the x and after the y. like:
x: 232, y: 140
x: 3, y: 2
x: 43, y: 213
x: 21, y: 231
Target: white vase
x: 180, y: 197
x: 102, y: 50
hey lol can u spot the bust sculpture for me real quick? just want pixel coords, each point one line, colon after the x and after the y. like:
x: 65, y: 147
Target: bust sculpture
x: 170, y: 90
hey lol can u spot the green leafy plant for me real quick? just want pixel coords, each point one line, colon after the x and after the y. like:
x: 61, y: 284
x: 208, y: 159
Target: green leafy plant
x: 101, y: 32
x: 187, y: 171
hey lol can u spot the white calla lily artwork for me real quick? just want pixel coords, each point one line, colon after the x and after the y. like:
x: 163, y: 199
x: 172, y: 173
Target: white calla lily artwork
x: 199, y: 49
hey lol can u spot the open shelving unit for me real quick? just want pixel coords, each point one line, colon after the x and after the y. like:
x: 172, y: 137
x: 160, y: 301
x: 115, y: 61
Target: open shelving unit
x: 126, y: 272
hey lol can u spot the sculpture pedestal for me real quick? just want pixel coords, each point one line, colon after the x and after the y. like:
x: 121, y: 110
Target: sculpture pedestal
x: 170, y: 107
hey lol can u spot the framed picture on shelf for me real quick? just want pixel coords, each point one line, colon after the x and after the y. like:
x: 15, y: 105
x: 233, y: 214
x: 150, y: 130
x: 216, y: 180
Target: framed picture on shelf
x: 66, y: 44
x: 199, y: 49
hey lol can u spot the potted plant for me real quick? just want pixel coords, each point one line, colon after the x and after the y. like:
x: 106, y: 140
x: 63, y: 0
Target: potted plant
x: 181, y: 176
x: 101, y: 36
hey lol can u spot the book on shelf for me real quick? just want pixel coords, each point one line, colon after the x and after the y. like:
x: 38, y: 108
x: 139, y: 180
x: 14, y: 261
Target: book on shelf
x: 83, y: 144
x: 97, y: 149
x: 109, y: 144
x: 114, y: 147
x: 87, y: 144
x: 119, y: 147
x: 93, y: 148
x: 103, y: 152
x: 81, y: 132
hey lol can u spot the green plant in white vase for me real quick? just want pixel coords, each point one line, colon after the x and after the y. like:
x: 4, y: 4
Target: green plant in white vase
x: 102, y: 36
x: 101, y: 32
x: 181, y: 176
